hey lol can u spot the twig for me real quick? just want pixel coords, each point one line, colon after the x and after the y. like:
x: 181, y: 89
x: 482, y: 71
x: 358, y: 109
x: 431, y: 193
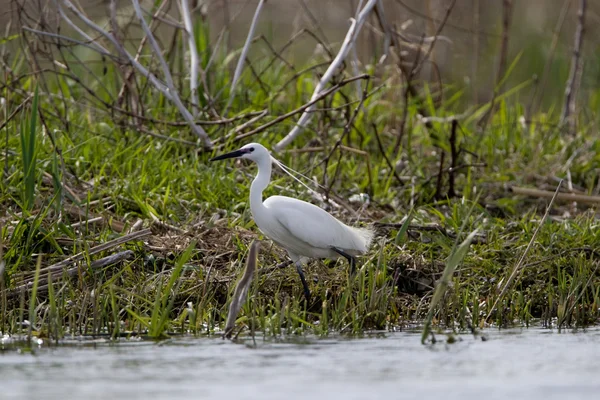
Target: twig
x: 348, y: 43
x: 194, y: 59
x: 100, y: 263
x: 517, y: 268
x: 435, y: 38
x: 129, y: 78
x: 440, y: 174
x: 163, y: 137
x: 506, y: 23
x: 98, y: 249
x: 539, y: 88
x: 301, y: 108
x: 576, y: 66
x: 453, y: 159
x: 246, y: 124
x: 459, y: 28
x: 224, y: 121
x: 168, y: 90
x: 383, y: 153
x: 507, y: 6
x: 316, y: 26
x: 580, y: 198
x: 89, y: 45
x: 170, y: 227
x: 171, y: 85
x: 475, y: 55
x: 242, y: 59
x: 347, y: 128
x: 15, y: 112
x: 387, y: 38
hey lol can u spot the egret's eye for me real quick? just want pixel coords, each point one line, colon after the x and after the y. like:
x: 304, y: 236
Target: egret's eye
x: 251, y: 149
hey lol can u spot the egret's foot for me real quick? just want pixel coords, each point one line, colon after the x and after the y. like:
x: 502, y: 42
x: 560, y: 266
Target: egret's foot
x: 351, y: 259
x: 304, y: 284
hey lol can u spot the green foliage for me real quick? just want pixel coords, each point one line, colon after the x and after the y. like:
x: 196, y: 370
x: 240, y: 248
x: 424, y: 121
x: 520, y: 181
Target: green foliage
x: 103, y: 164
x: 456, y: 257
x: 159, y: 321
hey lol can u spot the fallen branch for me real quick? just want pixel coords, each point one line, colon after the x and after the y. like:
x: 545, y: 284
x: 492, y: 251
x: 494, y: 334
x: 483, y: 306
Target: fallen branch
x: 567, y: 197
x: 95, y: 250
x: 100, y: 263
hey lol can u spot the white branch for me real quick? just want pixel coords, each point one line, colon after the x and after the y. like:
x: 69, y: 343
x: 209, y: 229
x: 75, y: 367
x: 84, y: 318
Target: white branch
x: 194, y: 59
x: 354, y: 64
x: 197, y: 129
x: 387, y: 39
x: 347, y: 45
x: 155, y: 81
x: 240, y: 65
x: 168, y: 90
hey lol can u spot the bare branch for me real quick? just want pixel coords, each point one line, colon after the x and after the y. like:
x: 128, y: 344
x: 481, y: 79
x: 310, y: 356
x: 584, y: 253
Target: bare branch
x: 347, y: 45
x: 302, y: 108
x: 194, y: 59
x: 387, y: 39
x: 201, y: 133
x: 435, y: 38
x: 168, y: 90
x: 576, y: 67
x: 242, y: 59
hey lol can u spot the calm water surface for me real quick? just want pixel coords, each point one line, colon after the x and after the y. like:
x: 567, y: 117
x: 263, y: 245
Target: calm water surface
x: 527, y: 364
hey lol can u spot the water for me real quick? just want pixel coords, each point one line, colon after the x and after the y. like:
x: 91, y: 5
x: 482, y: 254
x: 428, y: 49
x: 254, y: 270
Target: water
x: 528, y: 364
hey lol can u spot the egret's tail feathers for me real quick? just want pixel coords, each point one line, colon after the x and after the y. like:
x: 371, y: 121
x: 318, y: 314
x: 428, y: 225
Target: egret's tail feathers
x: 364, y: 237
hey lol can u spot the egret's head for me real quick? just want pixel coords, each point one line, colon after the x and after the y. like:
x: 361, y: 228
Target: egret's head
x: 251, y: 151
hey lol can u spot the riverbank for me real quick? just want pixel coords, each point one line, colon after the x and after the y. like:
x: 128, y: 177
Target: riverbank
x: 113, y: 221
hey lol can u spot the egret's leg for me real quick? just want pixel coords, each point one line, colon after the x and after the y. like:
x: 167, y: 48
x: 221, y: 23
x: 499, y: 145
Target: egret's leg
x: 303, y: 279
x: 351, y: 260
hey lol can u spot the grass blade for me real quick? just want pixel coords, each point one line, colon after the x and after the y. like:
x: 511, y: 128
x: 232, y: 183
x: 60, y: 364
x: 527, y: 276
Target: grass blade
x: 33, y: 298
x: 456, y: 257
x: 404, y: 227
x: 241, y: 289
x: 28, y: 150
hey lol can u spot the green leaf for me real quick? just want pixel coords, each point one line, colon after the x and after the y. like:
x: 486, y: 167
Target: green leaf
x: 404, y: 227
x: 456, y: 257
x: 28, y: 153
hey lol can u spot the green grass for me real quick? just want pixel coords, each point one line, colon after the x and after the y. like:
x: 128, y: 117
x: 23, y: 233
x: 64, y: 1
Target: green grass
x: 180, y: 279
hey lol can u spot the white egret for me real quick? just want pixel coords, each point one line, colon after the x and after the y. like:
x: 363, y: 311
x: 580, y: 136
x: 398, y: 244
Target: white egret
x: 304, y: 230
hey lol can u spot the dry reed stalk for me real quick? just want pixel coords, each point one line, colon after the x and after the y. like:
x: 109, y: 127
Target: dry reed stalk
x: 241, y: 289
x: 569, y: 107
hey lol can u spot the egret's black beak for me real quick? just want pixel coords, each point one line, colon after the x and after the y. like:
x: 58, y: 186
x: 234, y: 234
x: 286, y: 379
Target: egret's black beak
x: 233, y: 154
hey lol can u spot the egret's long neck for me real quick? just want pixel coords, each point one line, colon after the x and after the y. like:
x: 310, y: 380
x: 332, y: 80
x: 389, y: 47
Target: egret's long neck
x: 260, y: 182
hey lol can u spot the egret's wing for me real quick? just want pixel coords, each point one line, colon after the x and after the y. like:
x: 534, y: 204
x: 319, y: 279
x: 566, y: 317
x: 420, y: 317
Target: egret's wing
x: 311, y: 224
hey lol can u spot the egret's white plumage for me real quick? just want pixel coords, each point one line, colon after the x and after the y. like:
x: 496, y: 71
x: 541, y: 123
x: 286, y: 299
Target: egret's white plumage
x: 303, y: 229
